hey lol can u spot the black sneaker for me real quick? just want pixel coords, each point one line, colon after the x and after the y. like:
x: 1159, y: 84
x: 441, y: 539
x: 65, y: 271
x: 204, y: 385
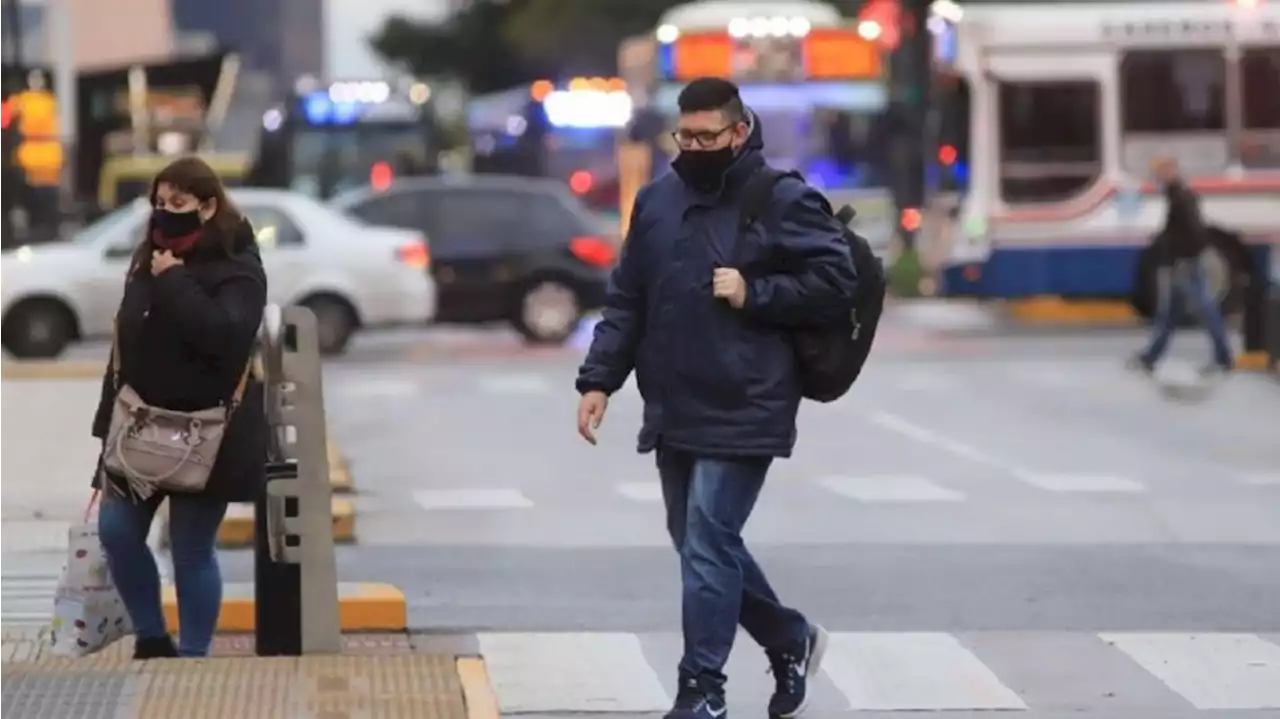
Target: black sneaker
x: 154, y: 648
x: 693, y: 701
x: 792, y: 671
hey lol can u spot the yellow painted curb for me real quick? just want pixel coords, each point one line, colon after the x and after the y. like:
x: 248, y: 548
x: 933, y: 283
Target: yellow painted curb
x: 237, y: 527
x: 51, y: 369
x: 339, y: 473
x: 477, y: 691
x: 1056, y: 310
x: 362, y: 607
x: 1258, y: 361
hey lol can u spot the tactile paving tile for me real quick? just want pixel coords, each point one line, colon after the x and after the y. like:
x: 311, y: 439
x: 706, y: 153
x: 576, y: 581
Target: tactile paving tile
x: 30, y: 692
x: 381, y: 687
x: 217, y: 689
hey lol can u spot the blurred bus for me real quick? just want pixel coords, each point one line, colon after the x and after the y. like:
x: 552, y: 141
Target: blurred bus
x: 818, y: 87
x: 566, y: 131
x: 1067, y: 105
x: 329, y: 138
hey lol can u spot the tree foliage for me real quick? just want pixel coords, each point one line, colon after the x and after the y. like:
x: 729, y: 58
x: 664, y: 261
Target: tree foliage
x: 470, y: 47
x: 496, y: 44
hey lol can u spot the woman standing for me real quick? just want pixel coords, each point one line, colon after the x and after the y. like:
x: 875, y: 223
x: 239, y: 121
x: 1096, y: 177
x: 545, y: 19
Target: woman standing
x: 185, y: 333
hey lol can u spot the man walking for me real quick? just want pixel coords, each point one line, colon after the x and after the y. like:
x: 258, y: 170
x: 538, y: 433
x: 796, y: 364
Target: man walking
x: 702, y: 308
x: 1179, y: 247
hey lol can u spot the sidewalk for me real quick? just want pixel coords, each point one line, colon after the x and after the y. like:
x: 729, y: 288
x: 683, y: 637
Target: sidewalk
x: 379, y: 675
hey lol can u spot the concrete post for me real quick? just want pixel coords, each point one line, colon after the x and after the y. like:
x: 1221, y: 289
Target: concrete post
x: 295, y: 412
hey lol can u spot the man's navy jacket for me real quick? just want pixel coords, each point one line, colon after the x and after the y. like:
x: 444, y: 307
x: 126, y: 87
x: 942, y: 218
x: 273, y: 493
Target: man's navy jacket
x: 719, y: 381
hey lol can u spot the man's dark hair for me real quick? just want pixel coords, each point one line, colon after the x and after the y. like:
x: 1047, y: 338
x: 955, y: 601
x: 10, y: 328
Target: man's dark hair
x: 712, y: 93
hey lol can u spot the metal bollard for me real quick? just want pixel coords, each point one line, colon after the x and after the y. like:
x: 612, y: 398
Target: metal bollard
x: 296, y: 583
x: 1273, y: 329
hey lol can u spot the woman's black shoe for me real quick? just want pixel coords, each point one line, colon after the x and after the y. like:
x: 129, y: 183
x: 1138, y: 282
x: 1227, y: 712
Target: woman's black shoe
x: 154, y: 648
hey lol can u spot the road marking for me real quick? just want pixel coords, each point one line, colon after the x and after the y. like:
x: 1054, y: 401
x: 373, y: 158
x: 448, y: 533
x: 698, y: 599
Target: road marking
x: 910, y: 429
x: 640, y: 491
x: 890, y: 489
x: 1262, y: 479
x: 572, y: 672
x: 27, y: 599
x: 1081, y: 482
x: 514, y: 384
x: 1211, y: 671
x: 913, y: 671
x: 494, y: 498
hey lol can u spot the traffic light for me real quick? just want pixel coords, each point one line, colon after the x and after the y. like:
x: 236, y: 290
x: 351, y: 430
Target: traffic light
x: 39, y: 152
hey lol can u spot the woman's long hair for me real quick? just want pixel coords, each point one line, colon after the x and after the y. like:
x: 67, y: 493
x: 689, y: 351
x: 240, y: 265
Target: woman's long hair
x: 194, y: 177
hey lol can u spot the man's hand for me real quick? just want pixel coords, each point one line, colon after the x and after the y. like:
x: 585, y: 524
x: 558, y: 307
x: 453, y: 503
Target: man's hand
x: 728, y: 283
x: 590, y: 413
x: 162, y: 260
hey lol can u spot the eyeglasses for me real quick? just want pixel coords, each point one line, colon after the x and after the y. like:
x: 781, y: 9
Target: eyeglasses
x: 702, y: 138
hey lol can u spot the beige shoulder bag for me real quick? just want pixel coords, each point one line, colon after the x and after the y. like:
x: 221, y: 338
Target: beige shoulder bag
x: 157, y: 449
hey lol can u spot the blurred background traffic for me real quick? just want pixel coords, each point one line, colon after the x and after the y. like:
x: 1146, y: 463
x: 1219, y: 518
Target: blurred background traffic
x: 508, y: 139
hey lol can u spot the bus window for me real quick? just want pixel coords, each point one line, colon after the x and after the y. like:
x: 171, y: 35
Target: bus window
x: 1169, y: 101
x: 1259, y: 78
x: 1050, y: 139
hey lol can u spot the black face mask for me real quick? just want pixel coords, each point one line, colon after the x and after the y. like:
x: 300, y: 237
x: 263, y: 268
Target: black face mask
x: 172, y: 225
x: 703, y: 170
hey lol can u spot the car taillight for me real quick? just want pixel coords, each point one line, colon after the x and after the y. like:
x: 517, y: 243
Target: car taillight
x: 593, y: 251
x: 414, y: 254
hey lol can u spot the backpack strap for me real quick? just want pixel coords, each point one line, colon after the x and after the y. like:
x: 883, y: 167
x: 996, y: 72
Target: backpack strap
x: 756, y: 193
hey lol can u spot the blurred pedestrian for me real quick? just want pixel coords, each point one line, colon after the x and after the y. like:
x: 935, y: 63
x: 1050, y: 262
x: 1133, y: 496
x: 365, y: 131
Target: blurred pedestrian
x: 703, y: 311
x: 185, y: 332
x: 1179, y: 249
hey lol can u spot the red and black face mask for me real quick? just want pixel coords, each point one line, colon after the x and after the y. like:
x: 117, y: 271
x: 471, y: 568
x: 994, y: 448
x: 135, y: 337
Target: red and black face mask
x: 176, y: 232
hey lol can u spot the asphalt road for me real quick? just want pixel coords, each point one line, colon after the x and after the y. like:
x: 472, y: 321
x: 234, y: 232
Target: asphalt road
x: 992, y: 519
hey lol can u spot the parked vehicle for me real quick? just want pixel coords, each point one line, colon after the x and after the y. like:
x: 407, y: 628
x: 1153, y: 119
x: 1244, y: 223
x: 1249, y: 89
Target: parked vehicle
x: 515, y: 249
x: 351, y: 275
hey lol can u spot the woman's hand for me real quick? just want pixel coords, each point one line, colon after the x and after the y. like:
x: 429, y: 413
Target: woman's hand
x: 162, y: 260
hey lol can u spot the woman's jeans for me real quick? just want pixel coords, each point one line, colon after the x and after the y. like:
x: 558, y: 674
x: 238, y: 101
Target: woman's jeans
x: 123, y: 525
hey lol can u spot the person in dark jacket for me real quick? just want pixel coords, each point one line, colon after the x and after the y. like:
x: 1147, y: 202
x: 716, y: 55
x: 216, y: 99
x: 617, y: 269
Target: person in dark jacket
x: 703, y: 310
x: 1179, y: 248
x: 186, y: 328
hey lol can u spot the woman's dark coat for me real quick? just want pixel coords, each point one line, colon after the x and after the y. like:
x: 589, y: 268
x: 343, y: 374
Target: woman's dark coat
x: 185, y: 337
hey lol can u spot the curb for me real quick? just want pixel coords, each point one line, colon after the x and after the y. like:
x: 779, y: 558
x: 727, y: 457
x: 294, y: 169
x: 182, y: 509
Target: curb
x: 1258, y: 361
x: 51, y: 369
x: 1056, y: 310
x: 477, y: 690
x: 362, y: 607
x: 237, y: 527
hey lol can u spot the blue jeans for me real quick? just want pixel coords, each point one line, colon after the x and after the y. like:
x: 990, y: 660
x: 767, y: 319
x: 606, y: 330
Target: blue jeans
x: 123, y: 525
x: 1186, y: 278
x: 708, y: 501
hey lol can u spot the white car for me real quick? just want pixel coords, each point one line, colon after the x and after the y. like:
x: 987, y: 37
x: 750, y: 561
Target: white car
x: 349, y: 274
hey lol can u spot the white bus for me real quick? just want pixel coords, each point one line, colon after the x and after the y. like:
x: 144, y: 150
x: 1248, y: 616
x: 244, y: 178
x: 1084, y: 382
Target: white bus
x: 1067, y: 103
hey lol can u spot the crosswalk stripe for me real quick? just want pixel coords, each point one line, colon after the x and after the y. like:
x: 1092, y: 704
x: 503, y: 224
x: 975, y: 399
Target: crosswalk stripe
x: 1081, y: 482
x: 1211, y: 671
x: 647, y: 492
x: 890, y: 489
x: 914, y: 671
x: 572, y: 672
x: 27, y: 600
x: 472, y: 499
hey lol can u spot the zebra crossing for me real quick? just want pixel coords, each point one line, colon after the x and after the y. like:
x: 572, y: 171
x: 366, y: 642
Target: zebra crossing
x: 26, y: 600
x: 1147, y: 673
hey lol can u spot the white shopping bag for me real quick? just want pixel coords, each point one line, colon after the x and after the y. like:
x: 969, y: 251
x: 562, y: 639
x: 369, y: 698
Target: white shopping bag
x: 88, y: 614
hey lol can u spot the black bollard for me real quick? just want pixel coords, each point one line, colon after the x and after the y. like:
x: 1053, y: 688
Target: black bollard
x: 1254, y: 322
x: 277, y: 586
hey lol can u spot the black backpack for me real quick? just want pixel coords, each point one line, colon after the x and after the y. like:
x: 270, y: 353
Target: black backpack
x: 830, y: 358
